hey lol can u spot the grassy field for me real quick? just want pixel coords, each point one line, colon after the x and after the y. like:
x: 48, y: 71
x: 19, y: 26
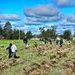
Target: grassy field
x: 46, y: 59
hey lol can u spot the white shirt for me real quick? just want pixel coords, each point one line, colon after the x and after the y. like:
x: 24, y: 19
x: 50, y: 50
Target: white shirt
x: 14, y: 48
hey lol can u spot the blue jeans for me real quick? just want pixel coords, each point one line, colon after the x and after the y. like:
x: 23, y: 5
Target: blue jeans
x: 13, y: 54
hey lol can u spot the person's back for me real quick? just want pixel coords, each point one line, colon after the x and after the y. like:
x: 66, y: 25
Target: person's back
x: 50, y: 41
x: 61, y: 42
x: 10, y: 49
x: 14, y: 48
x: 25, y: 40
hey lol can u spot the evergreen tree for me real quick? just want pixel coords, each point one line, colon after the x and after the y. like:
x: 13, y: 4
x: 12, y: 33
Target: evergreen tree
x: 7, y: 29
x: 22, y: 34
x: 1, y: 32
x: 29, y: 34
x: 67, y: 34
x: 49, y: 33
x: 17, y: 35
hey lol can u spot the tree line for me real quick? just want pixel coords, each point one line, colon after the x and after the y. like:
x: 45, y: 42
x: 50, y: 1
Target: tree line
x: 51, y: 33
x: 7, y: 32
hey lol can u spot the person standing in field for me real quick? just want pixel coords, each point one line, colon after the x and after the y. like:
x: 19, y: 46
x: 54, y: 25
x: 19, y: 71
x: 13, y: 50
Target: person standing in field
x: 50, y: 42
x: 25, y: 41
x: 61, y: 42
x: 10, y: 50
x: 35, y: 44
x: 57, y: 40
x: 14, y: 49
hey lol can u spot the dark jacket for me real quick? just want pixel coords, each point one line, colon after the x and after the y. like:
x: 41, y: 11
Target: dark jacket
x: 9, y: 48
x: 61, y: 41
x: 25, y: 40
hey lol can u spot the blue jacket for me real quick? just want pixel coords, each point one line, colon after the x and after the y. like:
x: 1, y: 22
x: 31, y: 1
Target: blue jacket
x: 9, y: 48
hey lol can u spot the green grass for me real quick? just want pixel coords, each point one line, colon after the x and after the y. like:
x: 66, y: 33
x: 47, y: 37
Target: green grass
x: 29, y: 56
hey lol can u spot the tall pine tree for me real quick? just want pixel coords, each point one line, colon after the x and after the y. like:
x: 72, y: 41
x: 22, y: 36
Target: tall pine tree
x: 7, y: 29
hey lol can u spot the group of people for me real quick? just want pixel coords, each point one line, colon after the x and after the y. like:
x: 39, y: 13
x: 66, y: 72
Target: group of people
x: 12, y: 48
x: 59, y: 41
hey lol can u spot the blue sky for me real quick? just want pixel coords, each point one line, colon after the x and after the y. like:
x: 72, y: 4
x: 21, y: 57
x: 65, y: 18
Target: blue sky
x: 32, y: 14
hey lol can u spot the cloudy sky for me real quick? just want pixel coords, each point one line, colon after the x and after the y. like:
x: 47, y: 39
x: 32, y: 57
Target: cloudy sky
x: 32, y: 14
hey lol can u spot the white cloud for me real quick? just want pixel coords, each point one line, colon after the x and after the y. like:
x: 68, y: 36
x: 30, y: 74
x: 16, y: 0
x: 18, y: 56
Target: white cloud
x: 10, y: 17
x: 65, y: 3
x: 32, y: 21
x: 71, y: 18
x: 18, y: 24
x: 33, y: 29
x: 67, y: 23
x: 41, y: 14
x: 41, y: 10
